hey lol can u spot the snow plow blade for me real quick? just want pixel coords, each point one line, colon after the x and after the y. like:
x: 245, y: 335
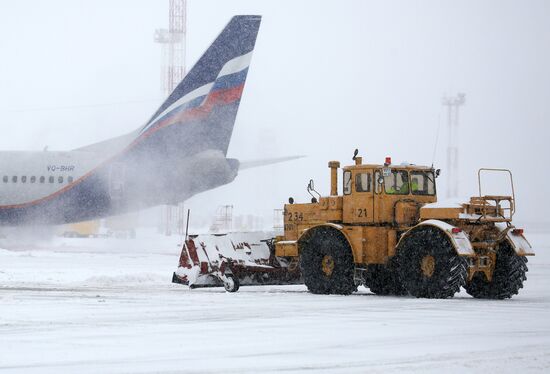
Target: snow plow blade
x: 223, y: 260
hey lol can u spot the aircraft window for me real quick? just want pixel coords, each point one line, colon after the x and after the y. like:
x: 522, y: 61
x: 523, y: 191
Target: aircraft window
x: 42, y: 179
x: 6, y: 179
x: 363, y: 182
x: 60, y: 179
x: 24, y: 179
x: 14, y: 179
x: 70, y: 180
x: 51, y: 179
x: 33, y: 179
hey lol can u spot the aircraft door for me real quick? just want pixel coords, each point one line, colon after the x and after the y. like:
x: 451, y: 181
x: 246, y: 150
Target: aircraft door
x: 358, y: 196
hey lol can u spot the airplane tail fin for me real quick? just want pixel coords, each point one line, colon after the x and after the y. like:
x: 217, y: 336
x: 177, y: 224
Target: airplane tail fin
x: 210, y: 93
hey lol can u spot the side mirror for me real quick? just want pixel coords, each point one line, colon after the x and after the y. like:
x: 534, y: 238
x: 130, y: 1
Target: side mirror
x: 380, y: 180
x: 355, y: 153
x: 311, y: 185
x: 437, y: 172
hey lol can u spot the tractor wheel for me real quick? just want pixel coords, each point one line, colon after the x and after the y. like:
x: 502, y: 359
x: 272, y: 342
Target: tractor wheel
x: 231, y: 283
x: 508, y: 277
x: 327, y: 264
x: 429, y: 266
x: 384, y: 280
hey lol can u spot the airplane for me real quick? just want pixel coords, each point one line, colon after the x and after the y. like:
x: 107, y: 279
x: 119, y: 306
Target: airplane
x: 179, y: 152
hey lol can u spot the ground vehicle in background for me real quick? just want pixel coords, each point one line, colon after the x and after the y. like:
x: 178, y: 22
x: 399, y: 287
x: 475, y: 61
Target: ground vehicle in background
x: 122, y: 226
x: 84, y: 229
x: 388, y: 232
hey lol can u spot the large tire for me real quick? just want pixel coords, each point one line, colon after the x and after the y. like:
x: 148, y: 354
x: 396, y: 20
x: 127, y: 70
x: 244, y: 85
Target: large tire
x: 429, y: 266
x: 327, y: 263
x: 508, y: 276
x: 384, y: 280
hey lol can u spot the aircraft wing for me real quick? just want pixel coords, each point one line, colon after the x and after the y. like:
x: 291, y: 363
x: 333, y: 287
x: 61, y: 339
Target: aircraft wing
x: 257, y: 163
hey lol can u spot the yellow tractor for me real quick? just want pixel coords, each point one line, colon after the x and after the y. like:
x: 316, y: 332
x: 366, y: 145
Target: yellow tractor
x: 387, y: 232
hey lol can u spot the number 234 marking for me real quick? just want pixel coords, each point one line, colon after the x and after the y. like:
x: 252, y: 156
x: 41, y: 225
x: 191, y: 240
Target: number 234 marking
x: 296, y: 217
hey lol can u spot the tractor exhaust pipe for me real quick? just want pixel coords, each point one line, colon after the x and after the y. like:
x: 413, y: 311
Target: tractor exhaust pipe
x: 334, y: 165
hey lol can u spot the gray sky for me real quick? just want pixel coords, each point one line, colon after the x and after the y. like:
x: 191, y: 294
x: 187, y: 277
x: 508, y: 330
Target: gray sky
x: 326, y: 77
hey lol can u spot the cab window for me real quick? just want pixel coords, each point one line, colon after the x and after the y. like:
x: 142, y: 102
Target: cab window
x: 422, y: 183
x: 347, y: 182
x: 363, y: 182
x: 397, y: 183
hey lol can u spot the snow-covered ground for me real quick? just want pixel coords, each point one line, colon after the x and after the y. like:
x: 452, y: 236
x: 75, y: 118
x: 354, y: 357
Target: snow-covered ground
x: 107, y: 305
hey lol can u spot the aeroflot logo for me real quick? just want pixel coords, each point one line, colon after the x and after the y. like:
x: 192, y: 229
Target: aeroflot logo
x: 55, y: 168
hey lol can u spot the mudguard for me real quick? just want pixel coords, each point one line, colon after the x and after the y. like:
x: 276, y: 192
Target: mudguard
x: 339, y: 228
x: 329, y: 224
x: 459, y: 240
x: 304, y: 234
x: 290, y: 248
x: 520, y: 244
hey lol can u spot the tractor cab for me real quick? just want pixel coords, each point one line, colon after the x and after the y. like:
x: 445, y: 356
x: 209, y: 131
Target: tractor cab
x: 382, y: 194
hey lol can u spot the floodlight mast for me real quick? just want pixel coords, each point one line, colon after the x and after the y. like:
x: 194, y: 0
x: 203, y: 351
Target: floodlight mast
x: 173, y: 46
x: 453, y: 103
x: 173, y: 41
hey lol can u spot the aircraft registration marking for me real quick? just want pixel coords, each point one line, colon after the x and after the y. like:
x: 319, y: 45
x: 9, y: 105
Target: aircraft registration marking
x: 55, y: 168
